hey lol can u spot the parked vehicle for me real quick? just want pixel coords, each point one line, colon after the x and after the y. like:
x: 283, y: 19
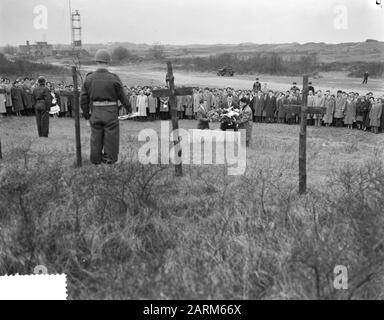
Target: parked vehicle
x: 225, y: 71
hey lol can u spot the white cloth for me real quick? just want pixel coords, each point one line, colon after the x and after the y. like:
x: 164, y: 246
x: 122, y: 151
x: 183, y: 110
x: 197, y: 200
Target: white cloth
x: 127, y: 116
x: 54, y: 110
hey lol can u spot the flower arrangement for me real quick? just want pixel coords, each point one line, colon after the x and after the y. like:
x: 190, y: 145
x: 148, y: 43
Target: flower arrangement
x: 229, y: 115
x: 214, y: 115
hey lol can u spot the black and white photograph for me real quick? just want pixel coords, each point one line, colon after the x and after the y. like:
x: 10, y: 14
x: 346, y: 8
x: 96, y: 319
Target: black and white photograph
x: 193, y: 150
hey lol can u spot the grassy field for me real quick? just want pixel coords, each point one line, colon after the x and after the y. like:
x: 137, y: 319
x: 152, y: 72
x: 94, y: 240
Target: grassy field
x: 272, y: 144
x: 134, y: 231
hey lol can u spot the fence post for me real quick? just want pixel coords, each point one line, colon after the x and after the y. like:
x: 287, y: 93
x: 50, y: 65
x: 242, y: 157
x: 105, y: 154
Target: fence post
x: 77, y: 118
x: 303, y: 139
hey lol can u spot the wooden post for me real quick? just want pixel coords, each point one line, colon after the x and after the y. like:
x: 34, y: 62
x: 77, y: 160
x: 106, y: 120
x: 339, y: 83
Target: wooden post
x: 172, y: 93
x: 303, y: 139
x: 77, y: 118
x: 175, y: 119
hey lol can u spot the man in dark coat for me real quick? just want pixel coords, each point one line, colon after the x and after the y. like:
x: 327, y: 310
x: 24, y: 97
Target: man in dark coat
x: 382, y: 115
x: 17, y: 98
x: 258, y: 106
x: 366, y: 75
x: 203, y: 121
x: 100, y: 93
x: 270, y: 107
x: 311, y: 88
x: 28, y: 97
x: 229, y: 104
x: 366, y: 109
x: 42, y: 100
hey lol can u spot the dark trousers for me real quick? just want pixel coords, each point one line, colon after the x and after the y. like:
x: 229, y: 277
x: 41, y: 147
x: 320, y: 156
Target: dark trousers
x: 105, y: 134
x: 338, y: 122
x: 365, y: 80
x: 164, y: 115
x: 42, y: 121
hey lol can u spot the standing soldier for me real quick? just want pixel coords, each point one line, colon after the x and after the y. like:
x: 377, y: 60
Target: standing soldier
x: 100, y: 93
x: 257, y: 85
x: 42, y: 101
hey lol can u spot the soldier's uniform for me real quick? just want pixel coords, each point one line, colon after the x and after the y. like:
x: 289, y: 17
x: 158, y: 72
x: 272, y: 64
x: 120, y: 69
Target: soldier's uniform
x: 42, y: 101
x: 100, y: 93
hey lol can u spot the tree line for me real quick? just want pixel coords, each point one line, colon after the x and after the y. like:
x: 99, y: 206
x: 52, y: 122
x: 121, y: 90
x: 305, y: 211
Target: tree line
x: 22, y: 67
x: 274, y: 63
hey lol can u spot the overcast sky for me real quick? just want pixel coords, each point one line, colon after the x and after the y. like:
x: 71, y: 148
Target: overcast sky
x: 196, y: 21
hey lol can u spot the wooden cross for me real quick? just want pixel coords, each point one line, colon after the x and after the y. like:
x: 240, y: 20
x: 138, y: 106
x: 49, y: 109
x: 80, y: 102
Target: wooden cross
x: 303, y: 139
x: 172, y: 93
x: 304, y: 110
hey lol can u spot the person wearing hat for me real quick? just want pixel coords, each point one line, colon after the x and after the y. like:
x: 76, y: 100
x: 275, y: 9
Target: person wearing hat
x: 42, y: 103
x: 100, y: 93
x: 245, y: 119
x: 257, y: 85
x: 311, y: 88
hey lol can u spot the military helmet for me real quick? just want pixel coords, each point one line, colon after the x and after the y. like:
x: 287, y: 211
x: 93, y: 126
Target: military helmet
x: 103, y: 55
x: 41, y: 80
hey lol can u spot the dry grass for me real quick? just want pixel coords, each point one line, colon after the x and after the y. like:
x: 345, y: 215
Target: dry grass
x: 133, y: 231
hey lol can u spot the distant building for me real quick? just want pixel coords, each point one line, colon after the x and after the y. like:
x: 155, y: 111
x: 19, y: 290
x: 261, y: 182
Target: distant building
x: 38, y: 50
x: 70, y: 53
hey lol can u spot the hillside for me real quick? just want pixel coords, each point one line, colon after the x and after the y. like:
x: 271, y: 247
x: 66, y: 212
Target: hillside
x: 369, y: 51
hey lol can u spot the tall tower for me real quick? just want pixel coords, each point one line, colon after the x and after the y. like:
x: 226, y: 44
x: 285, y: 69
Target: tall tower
x: 76, y: 30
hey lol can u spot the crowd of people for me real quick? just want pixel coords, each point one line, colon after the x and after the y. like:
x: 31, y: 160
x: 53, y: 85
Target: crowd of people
x: 341, y: 109
x: 16, y: 97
